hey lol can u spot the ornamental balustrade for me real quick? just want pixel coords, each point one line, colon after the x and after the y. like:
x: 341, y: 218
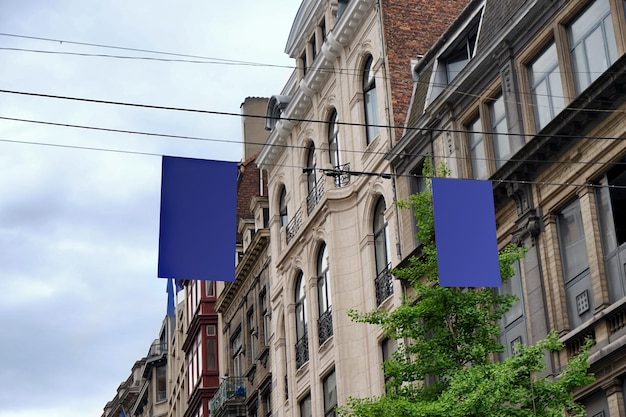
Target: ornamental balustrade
x: 231, y: 387
x: 302, y: 350
x: 325, y: 326
x: 384, y: 285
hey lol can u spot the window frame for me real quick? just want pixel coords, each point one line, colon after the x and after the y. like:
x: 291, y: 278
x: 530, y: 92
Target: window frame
x: 283, y: 212
x: 334, y: 146
x: 330, y: 394
x: 370, y: 97
x: 607, y: 41
x: 554, y: 96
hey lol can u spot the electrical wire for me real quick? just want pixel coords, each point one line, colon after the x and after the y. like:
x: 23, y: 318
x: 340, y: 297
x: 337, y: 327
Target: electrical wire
x: 326, y: 171
x: 403, y: 76
x: 286, y: 146
x: 218, y: 61
x: 303, y: 120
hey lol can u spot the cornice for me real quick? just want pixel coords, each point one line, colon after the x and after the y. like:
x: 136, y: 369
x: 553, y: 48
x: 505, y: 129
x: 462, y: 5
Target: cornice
x: 316, y: 77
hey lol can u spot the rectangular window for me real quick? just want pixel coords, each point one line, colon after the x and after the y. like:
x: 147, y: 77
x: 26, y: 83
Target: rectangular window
x: 251, y: 335
x: 575, y: 264
x: 502, y: 146
x: 266, y: 318
x: 611, y: 200
x: 513, y: 322
x: 388, y: 346
x: 477, y: 149
x: 211, y: 355
x: 161, y: 383
x: 210, y: 288
x: 330, y: 395
x: 592, y: 43
x: 305, y: 406
x: 237, y: 349
x: 572, y: 241
x: 545, y: 86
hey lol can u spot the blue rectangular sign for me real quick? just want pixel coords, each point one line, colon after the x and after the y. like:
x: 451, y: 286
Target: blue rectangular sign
x: 465, y: 233
x: 198, y: 225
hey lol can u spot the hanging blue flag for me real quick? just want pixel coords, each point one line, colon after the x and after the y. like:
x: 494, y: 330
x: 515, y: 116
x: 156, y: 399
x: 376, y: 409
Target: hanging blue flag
x: 171, y: 308
x: 122, y: 413
x: 179, y: 285
x: 465, y: 233
x: 198, y: 219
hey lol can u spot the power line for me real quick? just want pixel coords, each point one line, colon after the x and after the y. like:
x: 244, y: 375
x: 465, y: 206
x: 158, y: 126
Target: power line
x: 215, y: 61
x: 238, y: 142
x: 123, y: 48
x: 221, y: 61
x: 328, y: 171
x: 301, y: 120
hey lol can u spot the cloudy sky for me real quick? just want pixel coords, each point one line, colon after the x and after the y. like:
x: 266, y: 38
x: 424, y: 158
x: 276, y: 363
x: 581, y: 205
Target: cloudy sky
x: 79, y: 297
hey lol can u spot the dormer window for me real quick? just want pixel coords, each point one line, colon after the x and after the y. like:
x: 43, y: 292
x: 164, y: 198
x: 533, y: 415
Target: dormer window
x: 460, y: 54
x: 455, y: 57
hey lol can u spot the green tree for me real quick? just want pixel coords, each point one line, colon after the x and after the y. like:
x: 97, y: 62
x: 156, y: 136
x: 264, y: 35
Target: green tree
x: 449, y: 338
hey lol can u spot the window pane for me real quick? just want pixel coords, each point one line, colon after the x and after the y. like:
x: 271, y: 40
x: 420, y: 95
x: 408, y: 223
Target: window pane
x: 305, y: 407
x: 477, y: 150
x: 282, y: 210
x: 161, y: 383
x: 501, y: 140
x: 572, y: 241
x: 369, y: 100
x: 333, y: 140
x: 330, y: 395
x: 514, y: 286
x: 211, y: 354
x: 546, y: 88
x: 592, y: 43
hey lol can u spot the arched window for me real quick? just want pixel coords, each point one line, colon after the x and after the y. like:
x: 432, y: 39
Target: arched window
x: 369, y: 100
x: 325, y: 322
x: 302, y: 344
x: 384, y: 279
x: 282, y: 207
x: 333, y: 140
x: 314, y: 194
x: 380, y: 236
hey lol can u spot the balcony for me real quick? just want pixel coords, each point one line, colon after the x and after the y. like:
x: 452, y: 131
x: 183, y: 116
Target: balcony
x: 157, y: 348
x: 230, y: 389
x: 325, y: 326
x: 384, y: 285
x: 315, y: 196
x: 340, y: 174
x: 302, y: 350
x: 294, y: 226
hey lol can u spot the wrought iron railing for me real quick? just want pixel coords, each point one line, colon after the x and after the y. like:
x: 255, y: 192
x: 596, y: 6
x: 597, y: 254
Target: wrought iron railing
x: 233, y: 387
x: 325, y: 325
x: 302, y: 350
x: 315, y: 196
x: 384, y: 285
x: 157, y: 348
x: 341, y: 175
x: 293, y: 226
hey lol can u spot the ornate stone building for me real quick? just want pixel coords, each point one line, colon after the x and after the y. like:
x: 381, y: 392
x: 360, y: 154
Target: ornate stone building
x: 530, y: 95
x: 334, y: 233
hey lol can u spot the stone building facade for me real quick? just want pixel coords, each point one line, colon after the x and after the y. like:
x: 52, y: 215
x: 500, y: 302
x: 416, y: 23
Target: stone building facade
x: 530, y: 95
x: 333, y: 228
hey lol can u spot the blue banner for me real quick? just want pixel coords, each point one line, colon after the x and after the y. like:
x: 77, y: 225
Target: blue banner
x: 198, y: 225
x: 465, y: 233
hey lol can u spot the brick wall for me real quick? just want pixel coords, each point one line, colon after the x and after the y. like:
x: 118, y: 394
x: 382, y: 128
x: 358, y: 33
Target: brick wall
x: 410, y: 28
